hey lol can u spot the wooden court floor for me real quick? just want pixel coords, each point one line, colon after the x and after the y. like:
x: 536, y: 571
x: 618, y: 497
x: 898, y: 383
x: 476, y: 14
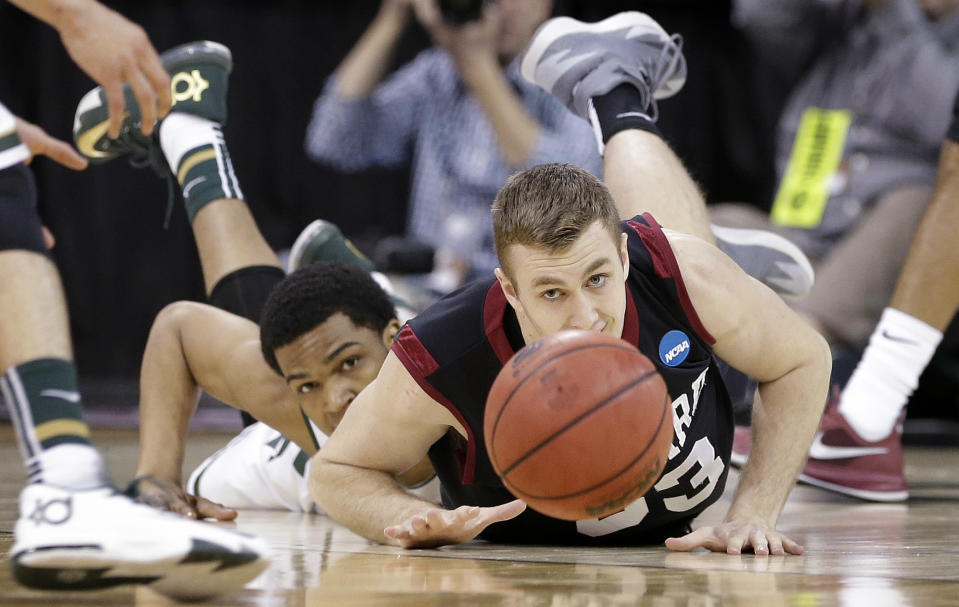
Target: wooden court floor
x: 857, y: 554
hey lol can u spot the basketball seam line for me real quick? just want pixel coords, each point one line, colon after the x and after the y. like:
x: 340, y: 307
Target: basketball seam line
x: 662, y: 417
x: 578, y: 419
x: 533, y: 371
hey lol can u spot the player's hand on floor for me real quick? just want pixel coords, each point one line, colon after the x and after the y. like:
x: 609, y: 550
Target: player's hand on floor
x: 166, y: 495
x: 41, y: 144
x: 735, y: 538
x: 441, y: 527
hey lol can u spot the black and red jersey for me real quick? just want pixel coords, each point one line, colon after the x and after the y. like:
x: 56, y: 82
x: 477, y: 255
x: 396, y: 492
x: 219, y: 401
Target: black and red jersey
x: 455, y: 349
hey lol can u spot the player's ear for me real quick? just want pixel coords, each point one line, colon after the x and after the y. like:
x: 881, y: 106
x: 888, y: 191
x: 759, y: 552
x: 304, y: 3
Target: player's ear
x: 624, y: 252
x: 390, y: 331
x: 507, y: 286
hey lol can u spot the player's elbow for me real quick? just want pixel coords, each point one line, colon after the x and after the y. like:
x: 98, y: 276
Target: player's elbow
x: 325, y: 479
x: 173, y: 317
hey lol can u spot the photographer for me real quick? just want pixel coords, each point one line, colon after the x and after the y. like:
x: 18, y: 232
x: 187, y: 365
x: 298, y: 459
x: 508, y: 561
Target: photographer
x: 460, y: 112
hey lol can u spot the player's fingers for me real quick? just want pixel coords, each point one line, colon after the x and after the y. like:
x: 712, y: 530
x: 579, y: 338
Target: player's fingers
x: 757, y: 539
x: 735, y: 542
x: 48, y: 238
x: 158, y: 79
x: 701, y: 537
x: 418, y: 525
x: 182, y: 508
x: 207, y: 509
x: 146, y: 99
x: 776, y: 545
x: 506, y: 511
x: 440, y: 519
x: 791, y: 546
x: 115, y: 104
x: 64, y: 154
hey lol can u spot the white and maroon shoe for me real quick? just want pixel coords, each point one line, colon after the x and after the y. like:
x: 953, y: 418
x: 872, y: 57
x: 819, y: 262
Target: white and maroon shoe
x: 842, y: 461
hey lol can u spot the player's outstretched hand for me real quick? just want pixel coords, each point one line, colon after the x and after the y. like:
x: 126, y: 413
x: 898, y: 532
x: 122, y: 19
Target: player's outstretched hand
x: 166, y: 495
x: 441, y: 527
x: 734, y: 538
x: 41, y: 144
x: 112, y: 50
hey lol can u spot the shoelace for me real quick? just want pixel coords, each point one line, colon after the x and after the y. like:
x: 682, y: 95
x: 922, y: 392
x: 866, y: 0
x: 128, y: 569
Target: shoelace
x: 152, y: 157
x: 670, y: 57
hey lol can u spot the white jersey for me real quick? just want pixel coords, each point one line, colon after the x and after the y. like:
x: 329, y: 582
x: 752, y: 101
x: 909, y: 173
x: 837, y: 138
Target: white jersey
x: 263, y: 469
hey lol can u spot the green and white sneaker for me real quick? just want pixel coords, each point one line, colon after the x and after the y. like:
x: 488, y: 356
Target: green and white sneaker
x: 323, y: 241
x: 199, y: 73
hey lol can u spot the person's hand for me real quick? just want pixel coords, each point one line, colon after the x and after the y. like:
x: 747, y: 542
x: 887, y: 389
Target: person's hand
x: 41, y: 144
x: 734, y: 537
x: 441, y: 527
x: 165, y: 495
x: 463, y: 42
x: 113, y: 50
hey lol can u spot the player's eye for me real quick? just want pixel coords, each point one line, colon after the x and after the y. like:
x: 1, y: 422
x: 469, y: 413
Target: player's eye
x: 349, y: 363
x: 306, y: 388
x: 597, y: 280
x: 551, y: 294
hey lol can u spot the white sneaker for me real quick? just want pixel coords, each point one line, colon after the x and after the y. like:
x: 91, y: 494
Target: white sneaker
x: 99, y: 538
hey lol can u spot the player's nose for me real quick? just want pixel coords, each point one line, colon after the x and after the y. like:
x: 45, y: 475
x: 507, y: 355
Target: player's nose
x: 339, y: 398
x: 582, y: 315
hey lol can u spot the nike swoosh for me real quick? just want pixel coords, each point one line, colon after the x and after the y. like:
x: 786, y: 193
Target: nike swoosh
x: 67, y: 395
x: 633, y: 115
x: 818, y: 450
x: 89, y: 138
x: 902, y: 340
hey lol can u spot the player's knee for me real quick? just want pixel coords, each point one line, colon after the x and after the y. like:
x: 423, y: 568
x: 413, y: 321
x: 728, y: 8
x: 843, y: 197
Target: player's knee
x: 20, y: 225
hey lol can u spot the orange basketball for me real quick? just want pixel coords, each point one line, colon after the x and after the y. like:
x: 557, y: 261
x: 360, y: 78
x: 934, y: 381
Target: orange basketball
x: 578, y: 425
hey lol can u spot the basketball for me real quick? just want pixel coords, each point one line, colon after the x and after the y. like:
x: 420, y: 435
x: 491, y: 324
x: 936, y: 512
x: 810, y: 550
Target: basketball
x: 578, y: 425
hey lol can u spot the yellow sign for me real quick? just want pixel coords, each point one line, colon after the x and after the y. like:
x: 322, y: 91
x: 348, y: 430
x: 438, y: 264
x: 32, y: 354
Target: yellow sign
x: 817, y: 151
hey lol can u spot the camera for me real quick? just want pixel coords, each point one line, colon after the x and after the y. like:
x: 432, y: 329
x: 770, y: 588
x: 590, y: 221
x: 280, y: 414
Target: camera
x: 458, y: 12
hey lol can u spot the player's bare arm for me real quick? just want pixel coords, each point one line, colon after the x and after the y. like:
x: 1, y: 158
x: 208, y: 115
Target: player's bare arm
x: 757, y: 333
x: 389, y: 428
x: 194, y: 346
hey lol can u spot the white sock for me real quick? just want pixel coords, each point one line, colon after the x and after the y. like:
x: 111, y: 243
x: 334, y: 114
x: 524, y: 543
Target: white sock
x: 72, y: 466
x: 898, y: 352
x: 197, y: 155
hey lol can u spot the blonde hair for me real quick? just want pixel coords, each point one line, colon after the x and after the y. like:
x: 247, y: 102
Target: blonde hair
x: 548, y: 206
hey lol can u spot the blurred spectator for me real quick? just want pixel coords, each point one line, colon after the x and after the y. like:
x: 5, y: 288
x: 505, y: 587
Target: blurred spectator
x: 460, y: 113
x: 856, y: 143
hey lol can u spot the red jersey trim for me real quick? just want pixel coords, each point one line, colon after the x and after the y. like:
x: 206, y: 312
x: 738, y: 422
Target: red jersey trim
x: 420, y: 363
x: 494, y: 310
x: 665, y: 266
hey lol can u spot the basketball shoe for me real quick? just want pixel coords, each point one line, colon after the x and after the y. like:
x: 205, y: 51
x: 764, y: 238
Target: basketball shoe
x: 99, y: 538
x: 323, y: 241
x: 199, y: 72
x: 842, y: 461
x: 767, y: 257
x: 576, y: 61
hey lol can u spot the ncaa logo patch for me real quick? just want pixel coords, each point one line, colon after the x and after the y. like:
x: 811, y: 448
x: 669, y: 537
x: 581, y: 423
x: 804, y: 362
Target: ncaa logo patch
x: 674, y: 348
